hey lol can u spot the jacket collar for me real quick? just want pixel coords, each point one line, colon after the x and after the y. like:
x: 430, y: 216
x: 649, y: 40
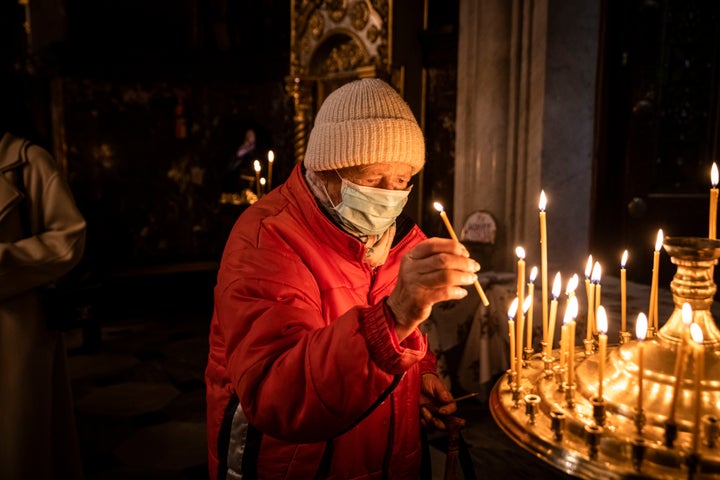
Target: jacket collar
x: 10, y: 157
x: 322, y: 226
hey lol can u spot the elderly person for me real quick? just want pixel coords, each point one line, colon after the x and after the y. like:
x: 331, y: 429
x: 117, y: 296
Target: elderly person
x: 317, y: 368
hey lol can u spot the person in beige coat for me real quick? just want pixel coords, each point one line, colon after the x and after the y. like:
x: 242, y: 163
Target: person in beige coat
x: 38, y: 436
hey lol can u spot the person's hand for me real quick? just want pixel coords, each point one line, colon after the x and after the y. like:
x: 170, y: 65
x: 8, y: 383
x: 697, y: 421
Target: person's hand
x: 435, y: 402
x: 434, y: 271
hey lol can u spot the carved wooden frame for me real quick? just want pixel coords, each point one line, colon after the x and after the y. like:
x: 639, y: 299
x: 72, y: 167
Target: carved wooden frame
x: 333, y: 42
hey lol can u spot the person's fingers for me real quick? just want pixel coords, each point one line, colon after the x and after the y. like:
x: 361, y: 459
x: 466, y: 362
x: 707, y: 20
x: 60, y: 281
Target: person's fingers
x: 441, y: 262
x: 435, y: 245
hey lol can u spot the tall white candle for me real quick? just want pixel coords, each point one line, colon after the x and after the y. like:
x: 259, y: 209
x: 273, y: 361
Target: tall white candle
x: 602, y: 326
x: 652, y: 309
x: 531, y: 304
x: 641, y: 325
x: 271, y: 160
x: 543, y: 262
x: 512, y: 310
x: 712, y: 228
x: 623, y: 292
x: 557, y: 285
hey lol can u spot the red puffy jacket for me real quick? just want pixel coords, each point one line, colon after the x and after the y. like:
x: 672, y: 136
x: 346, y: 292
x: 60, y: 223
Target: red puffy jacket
x: 302, y: 339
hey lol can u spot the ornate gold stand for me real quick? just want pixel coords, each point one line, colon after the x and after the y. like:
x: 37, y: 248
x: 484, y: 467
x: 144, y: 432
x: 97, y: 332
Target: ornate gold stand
x: 568, y: 427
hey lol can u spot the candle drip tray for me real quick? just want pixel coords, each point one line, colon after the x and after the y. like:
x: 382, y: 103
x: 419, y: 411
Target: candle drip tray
x: 570, y: 429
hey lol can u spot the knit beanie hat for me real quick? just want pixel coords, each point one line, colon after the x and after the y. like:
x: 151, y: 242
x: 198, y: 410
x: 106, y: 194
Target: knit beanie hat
x: 361, y: 123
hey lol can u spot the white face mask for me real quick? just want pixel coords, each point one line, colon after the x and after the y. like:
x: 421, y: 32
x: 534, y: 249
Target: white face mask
x: 369, y: 210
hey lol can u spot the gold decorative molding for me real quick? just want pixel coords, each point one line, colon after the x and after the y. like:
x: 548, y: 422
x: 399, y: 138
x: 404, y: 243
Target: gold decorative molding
x: 333, y: 42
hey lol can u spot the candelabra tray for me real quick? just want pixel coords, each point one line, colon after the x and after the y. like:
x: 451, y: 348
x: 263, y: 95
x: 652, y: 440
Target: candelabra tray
x: 570, y: 429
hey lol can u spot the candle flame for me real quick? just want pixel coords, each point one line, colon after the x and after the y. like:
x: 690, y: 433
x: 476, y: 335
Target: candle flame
x: 659, y: 241
x: 601, y: 319
x: 256, y: 165
x: 714, y: 175
x: 623, y: 261
x: 573, y: 306
x: 572, y: 284
x: 262, y: 180
x: 641, y: 325
x: 520, y: 252
x: 687, y: 314
x: 533, y: 274
x: 513, y: 308
x: 271, y: 156
x: 543, y: 201
x: 571, y: 310
x: 526, y: 304
x: 557, y: 285
x: 596, y: 273
x: 696, y: 333
x: 438, y: 206
x: 588, y: 267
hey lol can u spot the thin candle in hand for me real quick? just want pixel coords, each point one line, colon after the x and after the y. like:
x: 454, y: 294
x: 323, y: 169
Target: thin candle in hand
x: 451, y: 231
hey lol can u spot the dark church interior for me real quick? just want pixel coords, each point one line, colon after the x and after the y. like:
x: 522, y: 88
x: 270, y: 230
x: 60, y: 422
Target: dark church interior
x: 155, y: 112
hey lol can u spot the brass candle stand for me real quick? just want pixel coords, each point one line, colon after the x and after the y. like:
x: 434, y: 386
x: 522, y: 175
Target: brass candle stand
x: 589, y: 437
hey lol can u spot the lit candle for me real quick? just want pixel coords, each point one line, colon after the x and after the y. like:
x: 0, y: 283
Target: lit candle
x: 593, y: 300
x: 687, y: 317
x: 262, y: 185
x: 521, y: 313
x: 543, y: 262
x: 563, y: 341
x: 271, y: 160
x: 641, y: 325
x: 713, y: 201
x: 511, y: 331
x: 623, y: 292
x: 588, y: 271
x: 571, y: 286
x: 256, y: 166
x: 570, y: 313
x: 602, y: 326
x: 596, y: 279
x: 438, y: 206
x: 652, y: 309
x: 697, y: 336
x: 590, y: 295
x: 557, y: 284
x: 520, y: 293
x: 531, y: 297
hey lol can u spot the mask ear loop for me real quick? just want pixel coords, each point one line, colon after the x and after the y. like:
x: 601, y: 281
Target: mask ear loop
x: 327, y: 193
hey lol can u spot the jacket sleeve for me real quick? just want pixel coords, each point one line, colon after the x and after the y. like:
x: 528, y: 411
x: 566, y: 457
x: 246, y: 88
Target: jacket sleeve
x: 59, y: 241
x: 312, y: 379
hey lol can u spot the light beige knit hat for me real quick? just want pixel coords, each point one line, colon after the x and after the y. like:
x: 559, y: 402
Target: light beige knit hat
x: 364, y: 122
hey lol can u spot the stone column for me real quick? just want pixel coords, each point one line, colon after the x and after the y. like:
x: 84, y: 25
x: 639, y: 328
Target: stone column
x: 524, y: 122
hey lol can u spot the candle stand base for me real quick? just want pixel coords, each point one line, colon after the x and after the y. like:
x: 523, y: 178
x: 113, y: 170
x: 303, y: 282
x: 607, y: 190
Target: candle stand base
x: 625, y: 337
x: 527, y: 355
x: 589, y: 346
